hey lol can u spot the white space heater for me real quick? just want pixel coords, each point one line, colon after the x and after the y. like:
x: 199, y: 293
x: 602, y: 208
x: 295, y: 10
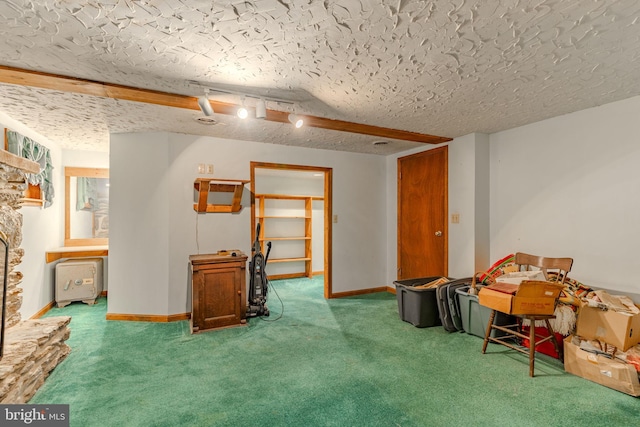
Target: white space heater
x: 78, y: 280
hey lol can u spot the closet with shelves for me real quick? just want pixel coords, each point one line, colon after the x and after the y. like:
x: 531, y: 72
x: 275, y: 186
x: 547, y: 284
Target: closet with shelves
x: 286, y: 220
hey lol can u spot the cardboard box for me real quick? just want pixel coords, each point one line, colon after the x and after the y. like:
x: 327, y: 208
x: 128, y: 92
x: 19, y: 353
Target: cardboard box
x: 612, y: 327
x: 530, y: 297
x: 497, y: 297
x: 600, y: 369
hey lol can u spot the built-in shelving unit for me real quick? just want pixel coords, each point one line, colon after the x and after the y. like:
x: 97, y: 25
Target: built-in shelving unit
x: 287, y: 218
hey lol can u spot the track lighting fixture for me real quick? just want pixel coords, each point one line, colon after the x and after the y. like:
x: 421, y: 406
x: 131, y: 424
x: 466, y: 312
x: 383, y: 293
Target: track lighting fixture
x: 205, y: 106
x: 258, y: 106
x: 296, y: 120
x: 261, y: 109
x: 242, y: 111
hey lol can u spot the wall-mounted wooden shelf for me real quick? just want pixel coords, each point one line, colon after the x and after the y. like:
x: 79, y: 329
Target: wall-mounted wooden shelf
x: 204, y: 186
x: 76, y: 252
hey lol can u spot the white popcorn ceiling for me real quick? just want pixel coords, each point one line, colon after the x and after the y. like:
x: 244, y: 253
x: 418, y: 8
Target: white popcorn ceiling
x: 445, y: 68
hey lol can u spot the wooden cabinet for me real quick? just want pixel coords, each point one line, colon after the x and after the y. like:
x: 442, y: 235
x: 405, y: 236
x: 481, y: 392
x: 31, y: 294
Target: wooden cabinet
x: 218, y: 289
x: 288, y: 218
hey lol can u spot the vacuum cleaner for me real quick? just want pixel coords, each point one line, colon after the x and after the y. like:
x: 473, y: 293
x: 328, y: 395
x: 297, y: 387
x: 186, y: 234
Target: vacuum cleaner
x: 258, y: 281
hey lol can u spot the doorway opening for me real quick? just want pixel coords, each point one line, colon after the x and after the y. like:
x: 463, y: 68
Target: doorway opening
x: 292, y: 204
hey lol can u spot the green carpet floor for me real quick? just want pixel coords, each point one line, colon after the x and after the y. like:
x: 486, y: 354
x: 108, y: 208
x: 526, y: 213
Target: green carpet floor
x: 341, y: 362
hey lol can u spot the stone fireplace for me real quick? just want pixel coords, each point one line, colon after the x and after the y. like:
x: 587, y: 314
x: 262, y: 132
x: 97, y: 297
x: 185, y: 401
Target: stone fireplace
x: 33, y: 347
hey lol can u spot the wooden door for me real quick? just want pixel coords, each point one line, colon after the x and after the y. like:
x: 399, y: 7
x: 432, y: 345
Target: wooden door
x: 219, y: 302
x: 422, y: 214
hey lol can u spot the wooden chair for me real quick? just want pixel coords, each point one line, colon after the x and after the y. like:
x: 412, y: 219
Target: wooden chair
x: 559, y: 266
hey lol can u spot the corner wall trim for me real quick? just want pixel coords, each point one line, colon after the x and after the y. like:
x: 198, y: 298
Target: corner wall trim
x: 43, y: 310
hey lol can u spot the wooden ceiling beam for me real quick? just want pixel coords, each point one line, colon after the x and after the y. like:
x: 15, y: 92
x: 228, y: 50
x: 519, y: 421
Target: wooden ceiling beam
x: 22, y: 77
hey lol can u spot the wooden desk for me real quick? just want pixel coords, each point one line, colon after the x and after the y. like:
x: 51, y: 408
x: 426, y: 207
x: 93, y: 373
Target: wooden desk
x: 218, y: 290
x: 76, y: 252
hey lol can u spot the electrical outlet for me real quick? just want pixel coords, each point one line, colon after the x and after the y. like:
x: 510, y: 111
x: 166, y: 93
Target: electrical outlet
x: 210, y: 169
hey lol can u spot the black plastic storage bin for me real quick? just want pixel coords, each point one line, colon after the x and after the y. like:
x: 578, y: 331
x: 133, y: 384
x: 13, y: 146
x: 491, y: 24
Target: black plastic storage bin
x: 418, y: 306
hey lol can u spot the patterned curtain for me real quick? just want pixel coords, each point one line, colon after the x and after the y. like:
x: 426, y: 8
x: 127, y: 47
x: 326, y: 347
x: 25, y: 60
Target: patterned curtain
x: 29, y: 149
x: 87, y: 193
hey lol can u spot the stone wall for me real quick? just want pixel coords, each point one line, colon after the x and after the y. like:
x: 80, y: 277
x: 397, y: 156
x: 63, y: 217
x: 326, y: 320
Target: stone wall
x: 12, y: 186
x: 32, y: 348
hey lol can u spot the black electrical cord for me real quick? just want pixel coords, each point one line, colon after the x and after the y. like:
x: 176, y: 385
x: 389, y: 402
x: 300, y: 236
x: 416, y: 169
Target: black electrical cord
x: 271, y: 287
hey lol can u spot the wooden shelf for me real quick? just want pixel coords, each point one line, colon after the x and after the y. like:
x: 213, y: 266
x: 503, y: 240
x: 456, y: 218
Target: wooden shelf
x: 282, y: 217
x: 304, y: 240
x: 264, y: 239
x: 27, y: 201
x: 274, y: 260
x: 204, y: 186
x: 288, y: 197
x: 76, y: 252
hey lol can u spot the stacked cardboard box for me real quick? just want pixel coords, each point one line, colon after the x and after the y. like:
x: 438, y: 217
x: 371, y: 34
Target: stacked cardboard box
x: 614, y: 328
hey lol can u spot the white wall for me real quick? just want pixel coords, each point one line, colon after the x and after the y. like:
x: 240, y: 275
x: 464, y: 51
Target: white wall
x: 139, y: 232
x: 482, y: 203
x: 469, y: 198
x: 153, y: 224
x: 317, y: 236
x: 41, y: 229
x: 570, y: 186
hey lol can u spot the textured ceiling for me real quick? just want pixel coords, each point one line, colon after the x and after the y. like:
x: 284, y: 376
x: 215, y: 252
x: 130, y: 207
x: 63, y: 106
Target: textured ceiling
x: 445, y: 68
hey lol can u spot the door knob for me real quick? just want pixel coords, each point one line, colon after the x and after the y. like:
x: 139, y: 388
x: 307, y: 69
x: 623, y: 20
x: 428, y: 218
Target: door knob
x: 438, y: 233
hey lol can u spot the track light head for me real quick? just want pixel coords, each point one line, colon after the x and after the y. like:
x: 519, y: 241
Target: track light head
x: 242, y: 112
x: 296, y: 120
x: 261, y: 109
x: 205, y: 106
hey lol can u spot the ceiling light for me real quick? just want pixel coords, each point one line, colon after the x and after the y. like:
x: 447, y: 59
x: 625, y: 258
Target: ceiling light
x: 261, y: 109
x: 206, y: 120
x: 205, y: 105
x: 296, y: 120
x: 243, y: 113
